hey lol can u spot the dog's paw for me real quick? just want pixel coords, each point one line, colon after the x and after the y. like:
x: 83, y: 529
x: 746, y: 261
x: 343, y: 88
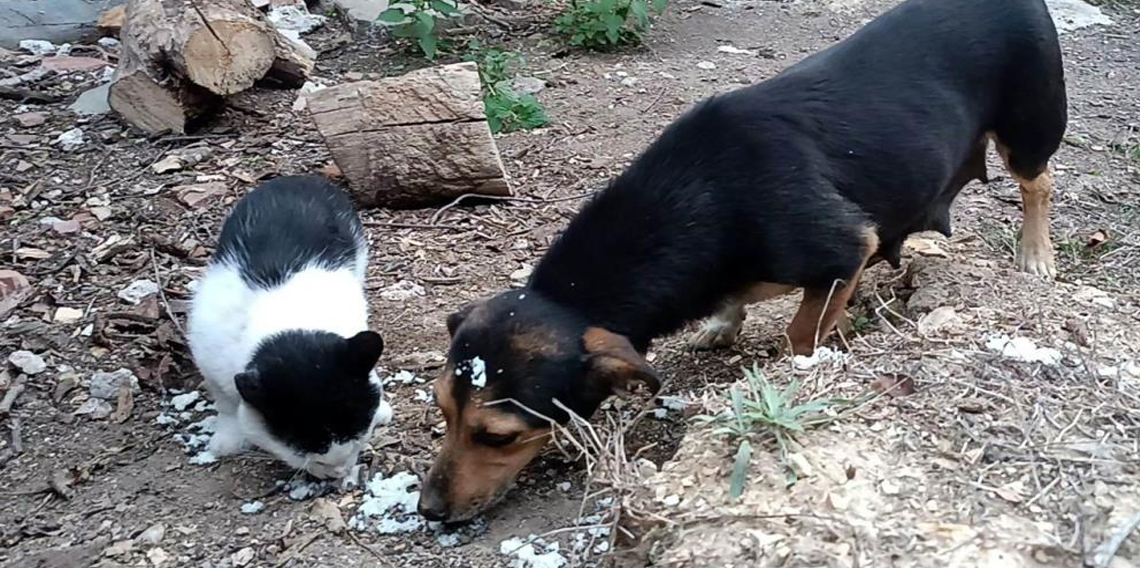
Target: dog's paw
x: 714, y: 335
x: 1037, y: 260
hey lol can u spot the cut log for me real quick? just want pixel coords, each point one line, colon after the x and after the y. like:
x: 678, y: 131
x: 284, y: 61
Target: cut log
x: 146, y: 94
x: 111, y: 21
x: 293, y: 62
x: 411, y: 141
x: 223, y: 46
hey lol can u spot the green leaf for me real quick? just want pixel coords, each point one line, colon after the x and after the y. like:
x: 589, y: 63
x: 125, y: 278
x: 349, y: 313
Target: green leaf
x: 392, y: 16
x: 425, y: 22
x: 740, y: 470
x: 430, y: 45
x: 444, y: 7
x: 659, y: 5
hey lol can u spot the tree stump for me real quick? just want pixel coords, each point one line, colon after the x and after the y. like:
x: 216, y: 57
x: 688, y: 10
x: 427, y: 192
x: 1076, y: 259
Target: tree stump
x: 411, y: 141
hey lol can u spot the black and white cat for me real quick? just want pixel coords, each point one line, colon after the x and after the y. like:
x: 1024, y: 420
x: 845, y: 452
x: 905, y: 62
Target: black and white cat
x: 279, y: 329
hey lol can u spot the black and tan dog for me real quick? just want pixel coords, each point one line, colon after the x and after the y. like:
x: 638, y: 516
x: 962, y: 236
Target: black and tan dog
x: 798, y: 182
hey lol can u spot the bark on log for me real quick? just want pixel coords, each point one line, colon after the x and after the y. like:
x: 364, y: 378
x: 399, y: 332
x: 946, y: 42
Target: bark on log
x: 111, y: 21
x: 147, y: 95
x: 411, y: 141
x: 223, y: 46
x: 180, y: 56
x: 293, y: 62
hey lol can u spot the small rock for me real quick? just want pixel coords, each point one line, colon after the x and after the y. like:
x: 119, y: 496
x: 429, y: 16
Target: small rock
x: 121, y: 548
x: 68, y: 227
x: 109, y: 43
x: 95, y: 409
x: 152, y: 535
x: 105, y: 386
x: 138, y: 290
x: 528, y: 85
x: 890, y: 487
x: 70, y: 64
x: 243, y: 556
x: 93, y: 102
x: 27, y: 362
x: 64, y: 384
x: 671, y: 500
x: 295, y: 18
x: 706, y: 65
x: 938, y: 320
x: 200, y: 195
x: 30, y: 119
x: 157, y: 556
x: 402, y: 290
x: 629, y: 82
x: 646, y: 468
x: 522, y: 274
x: 67, y: 315
x: 71, y: 140
x: 303, y: 93
x: 37, y: 46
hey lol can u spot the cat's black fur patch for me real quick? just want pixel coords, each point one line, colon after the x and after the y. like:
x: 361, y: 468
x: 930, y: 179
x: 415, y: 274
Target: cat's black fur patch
x: 777, y: 183
x: 313, y: 387
x: 286, y: 224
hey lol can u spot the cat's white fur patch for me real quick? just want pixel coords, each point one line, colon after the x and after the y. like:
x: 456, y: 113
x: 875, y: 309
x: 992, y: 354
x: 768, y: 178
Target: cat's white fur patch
x: 230, y: 319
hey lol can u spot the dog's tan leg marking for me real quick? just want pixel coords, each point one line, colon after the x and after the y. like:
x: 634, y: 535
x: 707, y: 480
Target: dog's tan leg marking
x: 822, y: 308
x: 1035, y: 254
x: 722, y: 329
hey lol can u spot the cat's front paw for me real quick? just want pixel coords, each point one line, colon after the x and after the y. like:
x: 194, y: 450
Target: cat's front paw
x: 226, y: 442
x: 383, y: 413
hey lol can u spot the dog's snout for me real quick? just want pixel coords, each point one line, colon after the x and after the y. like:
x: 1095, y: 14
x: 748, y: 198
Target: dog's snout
x: 432, y: 506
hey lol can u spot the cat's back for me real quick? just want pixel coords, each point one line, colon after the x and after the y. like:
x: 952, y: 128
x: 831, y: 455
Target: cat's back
x: 288, y: 224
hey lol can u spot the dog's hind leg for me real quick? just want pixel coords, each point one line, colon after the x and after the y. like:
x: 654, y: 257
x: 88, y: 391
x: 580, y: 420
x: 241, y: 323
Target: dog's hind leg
x: 1035, y: 254
x: 724, y: 326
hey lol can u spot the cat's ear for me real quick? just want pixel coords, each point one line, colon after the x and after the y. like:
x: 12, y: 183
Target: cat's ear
x: 250, y: 387
x: 456, y: 319
x: 365, y: 348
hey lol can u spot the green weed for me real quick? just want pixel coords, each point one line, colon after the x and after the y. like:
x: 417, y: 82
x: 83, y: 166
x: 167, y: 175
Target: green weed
x: 761, y: 408
x: 602, y: 24
x: 506, y: 110
x: 419, y: 20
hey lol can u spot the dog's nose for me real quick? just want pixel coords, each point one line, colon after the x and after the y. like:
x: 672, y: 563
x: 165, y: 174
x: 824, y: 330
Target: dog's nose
x: 432, y: 507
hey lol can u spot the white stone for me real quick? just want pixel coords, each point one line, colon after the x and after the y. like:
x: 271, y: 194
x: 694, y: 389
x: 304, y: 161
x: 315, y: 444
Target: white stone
x: 27, y: 362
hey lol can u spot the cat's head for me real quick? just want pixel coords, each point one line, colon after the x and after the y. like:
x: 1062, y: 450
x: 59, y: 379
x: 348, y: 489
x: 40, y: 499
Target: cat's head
x: 311, y: 399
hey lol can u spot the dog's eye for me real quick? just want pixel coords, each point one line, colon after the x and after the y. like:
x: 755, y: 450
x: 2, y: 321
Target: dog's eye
x: 495, y: 440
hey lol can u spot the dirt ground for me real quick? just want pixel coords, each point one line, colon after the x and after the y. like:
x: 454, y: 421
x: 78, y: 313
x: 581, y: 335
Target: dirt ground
x: 993, y: 461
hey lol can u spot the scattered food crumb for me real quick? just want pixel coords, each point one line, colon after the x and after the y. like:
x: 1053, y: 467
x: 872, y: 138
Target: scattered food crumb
x: 532, y: 552
x: 1023, y: 349
x: 252, y: 507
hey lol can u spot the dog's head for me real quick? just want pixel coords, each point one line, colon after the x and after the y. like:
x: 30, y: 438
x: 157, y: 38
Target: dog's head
x: 511, y: 358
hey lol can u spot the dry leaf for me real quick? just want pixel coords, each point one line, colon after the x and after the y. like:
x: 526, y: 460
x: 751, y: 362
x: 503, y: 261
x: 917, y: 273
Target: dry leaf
x: 926, y: 247
x: 126, y: 405
x: 327, y: 513
x: 894, y: 385
x: 937, y: 320
x: 198, y: 196
x: 14, y: 288
x: 1097, y: 239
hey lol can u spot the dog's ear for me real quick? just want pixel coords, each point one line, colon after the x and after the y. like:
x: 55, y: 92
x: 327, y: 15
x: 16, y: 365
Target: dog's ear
x: 614, y: 365
x: 456, y: 319
x: 250, y: 387
x: 364, y: 349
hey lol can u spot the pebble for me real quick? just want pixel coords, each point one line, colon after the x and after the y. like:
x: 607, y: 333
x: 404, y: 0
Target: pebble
x: 252, y: 507
x: 243, y: 556
x: 71, y: 140
x: 138, y: 290
x: 37, y: 46
x: 95, y: 409
x: 94, y: 101
x: 706, y: 65
x: 30, y: 119
x: 528, y: 85
x: 67, y: 315
x: 106, y: 385
x: 27, y: 362
x: 152, y: 535
x: 157, y: 556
